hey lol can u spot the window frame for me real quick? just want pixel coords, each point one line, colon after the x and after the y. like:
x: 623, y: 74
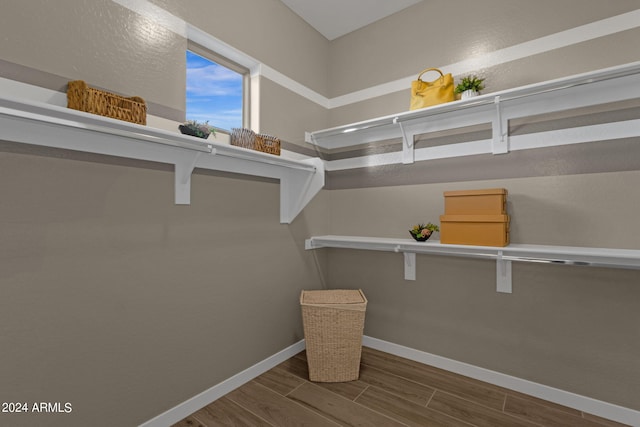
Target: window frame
x: 233, y: 66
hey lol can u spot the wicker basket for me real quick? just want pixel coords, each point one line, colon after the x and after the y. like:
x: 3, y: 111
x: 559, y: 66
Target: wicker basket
x: 246, y: 138
x: 82, y: 97
x: 333, y: 323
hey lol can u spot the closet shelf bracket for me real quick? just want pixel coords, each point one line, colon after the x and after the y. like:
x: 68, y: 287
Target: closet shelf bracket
x: 503, y: 274
x: 408, y: 148
x: 409, y: 265
x: 500, y: 130
x: 183, y: 168
x: 59, y: 127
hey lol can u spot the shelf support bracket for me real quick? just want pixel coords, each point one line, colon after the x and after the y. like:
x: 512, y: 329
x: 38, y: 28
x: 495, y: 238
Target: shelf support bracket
x: 298, y: 187
x: 409, y: 265
x: 503, y: 274
x: 500, y: 126
x: 408, y: 149
x: 183, y: 170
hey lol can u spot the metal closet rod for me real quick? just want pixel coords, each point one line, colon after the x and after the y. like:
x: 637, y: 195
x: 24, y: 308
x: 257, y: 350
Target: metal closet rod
x: 542, y: 260
x: 307, y: 168
x: 547, y: 260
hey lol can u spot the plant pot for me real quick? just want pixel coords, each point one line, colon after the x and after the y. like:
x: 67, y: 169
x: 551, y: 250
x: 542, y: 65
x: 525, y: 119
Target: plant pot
x: 420, y: 238
x: 469, y: 94
x: 188, y: 131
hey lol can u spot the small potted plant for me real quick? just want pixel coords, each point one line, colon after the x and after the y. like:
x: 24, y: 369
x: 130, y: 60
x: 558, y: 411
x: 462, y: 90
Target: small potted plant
x: 470, y: 86
x: 422, y: 232
x: 193, y: 128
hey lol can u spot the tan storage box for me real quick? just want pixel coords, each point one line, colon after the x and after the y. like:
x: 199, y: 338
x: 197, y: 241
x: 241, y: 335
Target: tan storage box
x: 333, y: 323
x: 478, y: 230
x: 491, y: 201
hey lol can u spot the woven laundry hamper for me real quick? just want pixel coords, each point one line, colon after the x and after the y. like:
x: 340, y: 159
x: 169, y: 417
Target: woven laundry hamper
x: 333, y: 323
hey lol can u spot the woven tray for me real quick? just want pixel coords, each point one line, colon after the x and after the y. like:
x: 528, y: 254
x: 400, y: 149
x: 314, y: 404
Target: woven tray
x: 246, y: 138
x: 81, y: 96
x: 333, y: 323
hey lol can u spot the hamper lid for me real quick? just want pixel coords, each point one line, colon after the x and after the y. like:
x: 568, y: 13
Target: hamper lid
x: 333, y: 296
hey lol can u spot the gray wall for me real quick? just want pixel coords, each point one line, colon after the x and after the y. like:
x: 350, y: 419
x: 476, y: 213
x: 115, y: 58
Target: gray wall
x: 436, y: 34
x: 572, y: 328
x: 266, y: 30
x: 112, y: 298
x: 100, y: 42
x: 120, y: 302
x: 123, y: 304
x: 566, y: 327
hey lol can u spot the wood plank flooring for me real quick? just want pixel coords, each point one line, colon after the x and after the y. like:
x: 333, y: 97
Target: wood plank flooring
x: 391, y: 391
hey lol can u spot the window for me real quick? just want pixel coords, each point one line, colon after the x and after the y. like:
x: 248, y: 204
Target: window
x: 216, y: 90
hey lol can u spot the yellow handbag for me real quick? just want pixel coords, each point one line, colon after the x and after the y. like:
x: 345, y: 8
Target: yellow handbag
x: 425, y: 94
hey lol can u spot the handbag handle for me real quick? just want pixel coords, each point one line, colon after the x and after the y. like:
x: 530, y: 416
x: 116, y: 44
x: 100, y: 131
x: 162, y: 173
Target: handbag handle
x: 430, y: 69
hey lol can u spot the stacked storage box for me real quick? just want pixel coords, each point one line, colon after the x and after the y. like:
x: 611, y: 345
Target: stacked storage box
x: 475, y: 217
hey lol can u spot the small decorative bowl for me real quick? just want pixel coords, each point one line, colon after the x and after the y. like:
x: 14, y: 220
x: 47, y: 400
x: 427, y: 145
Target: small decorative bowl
x: 420, y: 237
x: 186, y: 130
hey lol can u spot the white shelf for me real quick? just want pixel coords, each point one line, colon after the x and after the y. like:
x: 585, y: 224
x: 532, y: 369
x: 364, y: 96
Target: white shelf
x: 565, y: 255
x: 54, y: 126
x: 599, y: 87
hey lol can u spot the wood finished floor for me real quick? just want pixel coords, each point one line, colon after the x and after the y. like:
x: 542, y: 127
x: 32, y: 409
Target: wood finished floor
x: 391, y: 391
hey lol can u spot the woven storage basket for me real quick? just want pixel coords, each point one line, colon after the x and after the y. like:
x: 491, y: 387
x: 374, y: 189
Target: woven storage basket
x: 246, y: 138
x: 333, y: 323
x: 82, y: 97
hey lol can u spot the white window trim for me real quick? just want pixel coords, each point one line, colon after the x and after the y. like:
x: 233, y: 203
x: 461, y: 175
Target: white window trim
x: 223, y: 61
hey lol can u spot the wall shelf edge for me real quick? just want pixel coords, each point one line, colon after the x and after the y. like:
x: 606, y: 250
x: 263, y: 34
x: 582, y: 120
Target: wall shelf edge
x: 504, y: 256
x: 48, y: 125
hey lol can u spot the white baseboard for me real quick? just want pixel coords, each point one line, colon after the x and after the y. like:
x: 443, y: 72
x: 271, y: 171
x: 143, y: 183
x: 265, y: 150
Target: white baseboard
x: 201, y: 400
x: 561, y: 397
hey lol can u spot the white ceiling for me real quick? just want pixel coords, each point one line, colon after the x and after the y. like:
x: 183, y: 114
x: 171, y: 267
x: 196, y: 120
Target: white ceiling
x: 334, y: 18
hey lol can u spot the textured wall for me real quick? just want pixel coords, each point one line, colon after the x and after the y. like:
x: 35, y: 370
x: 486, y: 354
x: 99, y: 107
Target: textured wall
x: 573, y: 328
x: 567, y: 327
x: 47, y: 43
x: 123, y: 304
x: 112, y: 298
x: 266, y: 30
x: 444, y: 33
x: 100, y: 42
x: 570, y: 328
x: 288, y: 115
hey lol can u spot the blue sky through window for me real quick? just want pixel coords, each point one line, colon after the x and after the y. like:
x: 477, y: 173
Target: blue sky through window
x: 214, y: 93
